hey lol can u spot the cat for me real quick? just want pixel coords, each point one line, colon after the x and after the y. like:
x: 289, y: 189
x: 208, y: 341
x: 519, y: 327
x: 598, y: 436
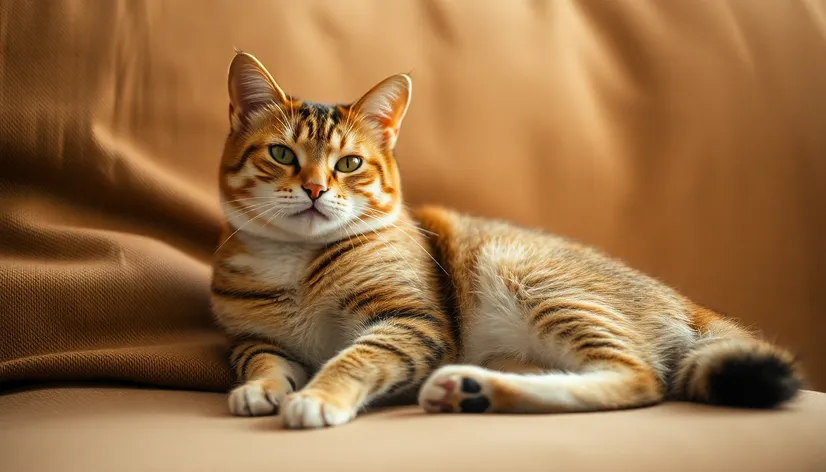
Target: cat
x: 336, y: 295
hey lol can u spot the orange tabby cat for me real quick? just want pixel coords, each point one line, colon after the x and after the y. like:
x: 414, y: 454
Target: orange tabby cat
x: 338, y: 296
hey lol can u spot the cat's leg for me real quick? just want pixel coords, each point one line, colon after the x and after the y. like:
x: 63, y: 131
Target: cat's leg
x: 267, y: 375
x: 472, y: 389
x: 605, y: 373
x: 393, y: 355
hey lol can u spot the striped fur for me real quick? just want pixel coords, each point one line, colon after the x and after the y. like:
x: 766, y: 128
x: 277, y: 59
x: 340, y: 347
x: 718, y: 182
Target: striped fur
x: 339, y: 296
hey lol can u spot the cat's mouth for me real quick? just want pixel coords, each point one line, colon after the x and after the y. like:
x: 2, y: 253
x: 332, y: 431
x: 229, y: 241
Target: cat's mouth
x: 311, y: 213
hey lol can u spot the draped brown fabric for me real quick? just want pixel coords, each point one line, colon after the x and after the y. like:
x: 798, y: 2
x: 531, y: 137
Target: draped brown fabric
x: 686, y: 137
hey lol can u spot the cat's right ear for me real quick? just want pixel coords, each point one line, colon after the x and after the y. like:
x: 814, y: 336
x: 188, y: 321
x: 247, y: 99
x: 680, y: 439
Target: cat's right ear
x: 251, y: 88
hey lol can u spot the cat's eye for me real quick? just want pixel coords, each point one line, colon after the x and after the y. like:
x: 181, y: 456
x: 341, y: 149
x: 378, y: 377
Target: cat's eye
x: 348, y: 164
x: 282, y: 154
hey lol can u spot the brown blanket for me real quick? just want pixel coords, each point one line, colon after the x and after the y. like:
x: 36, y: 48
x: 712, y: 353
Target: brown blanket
x: 688, y: 138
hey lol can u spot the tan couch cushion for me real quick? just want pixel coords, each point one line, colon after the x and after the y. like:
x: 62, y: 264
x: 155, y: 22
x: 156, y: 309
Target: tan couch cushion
x: 686, y: 137
x: 91, y: 430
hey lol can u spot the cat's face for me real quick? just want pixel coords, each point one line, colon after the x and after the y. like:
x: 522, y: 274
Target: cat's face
x: 300, y: 171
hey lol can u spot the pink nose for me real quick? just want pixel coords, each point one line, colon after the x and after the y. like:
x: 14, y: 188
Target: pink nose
x: 314, y: 190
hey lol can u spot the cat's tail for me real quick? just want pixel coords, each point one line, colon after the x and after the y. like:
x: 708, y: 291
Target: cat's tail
x: 729, y: 366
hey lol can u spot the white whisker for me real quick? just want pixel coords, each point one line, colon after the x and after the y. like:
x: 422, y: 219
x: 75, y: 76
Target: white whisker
x: 352, y: 117
x: 394, y: 248
x: 411, y: 225
x: 247, y: 209
x: 288, y: 124
x: 248, y: 198
x: 248, y: 222
x: 416, y: 243
x: 275, y: 215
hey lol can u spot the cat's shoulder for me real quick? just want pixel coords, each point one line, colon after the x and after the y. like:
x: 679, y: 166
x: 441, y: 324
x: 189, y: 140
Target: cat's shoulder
x: 451, y: 225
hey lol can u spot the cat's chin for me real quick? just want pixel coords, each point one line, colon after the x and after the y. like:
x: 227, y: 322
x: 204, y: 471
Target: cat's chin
x: 314, y: 226
x: 306, y: 226
x: 310, y: 224
x: 310, y: 214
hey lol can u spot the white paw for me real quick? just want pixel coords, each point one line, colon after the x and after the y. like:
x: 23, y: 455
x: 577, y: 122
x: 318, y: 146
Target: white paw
x: 307, y: 409
x: 258, y: 397
x: 457, y: 389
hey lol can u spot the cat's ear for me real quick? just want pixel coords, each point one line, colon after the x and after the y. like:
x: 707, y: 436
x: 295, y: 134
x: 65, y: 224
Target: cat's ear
x: 251, y: 87
x: 385, y: 105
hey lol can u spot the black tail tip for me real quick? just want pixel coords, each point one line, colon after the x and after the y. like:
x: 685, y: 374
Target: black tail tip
x: 753, y: 381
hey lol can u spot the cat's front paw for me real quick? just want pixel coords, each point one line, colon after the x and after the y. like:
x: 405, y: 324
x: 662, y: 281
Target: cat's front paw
x: 258, y: 397
x: 314, y: 409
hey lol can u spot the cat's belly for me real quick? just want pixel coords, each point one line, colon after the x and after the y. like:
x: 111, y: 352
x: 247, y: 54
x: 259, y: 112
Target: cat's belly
x: 493, y: 332
x: 497, y: 324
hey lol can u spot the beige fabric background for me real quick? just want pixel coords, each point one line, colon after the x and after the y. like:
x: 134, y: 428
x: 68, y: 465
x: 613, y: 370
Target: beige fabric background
x: 686, y: 137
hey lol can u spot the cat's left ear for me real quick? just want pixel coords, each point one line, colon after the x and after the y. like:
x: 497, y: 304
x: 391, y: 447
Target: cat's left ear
x: 251, y: 88
x: 385, y: 105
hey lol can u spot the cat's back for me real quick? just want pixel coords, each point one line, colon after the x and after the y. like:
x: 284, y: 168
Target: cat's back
x: 468, y: 236
x: 471, y: 240
x: 483, y: 252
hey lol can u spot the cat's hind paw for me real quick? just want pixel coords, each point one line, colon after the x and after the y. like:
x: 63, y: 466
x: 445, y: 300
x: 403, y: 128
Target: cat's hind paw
x: 457, y: 389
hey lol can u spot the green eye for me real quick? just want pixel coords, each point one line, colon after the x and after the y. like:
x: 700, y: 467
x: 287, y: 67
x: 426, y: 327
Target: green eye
x: 348, y: 164
x: 282, y: 154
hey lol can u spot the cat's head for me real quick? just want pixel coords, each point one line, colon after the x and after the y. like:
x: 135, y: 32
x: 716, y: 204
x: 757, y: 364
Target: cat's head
x: 300, y: 171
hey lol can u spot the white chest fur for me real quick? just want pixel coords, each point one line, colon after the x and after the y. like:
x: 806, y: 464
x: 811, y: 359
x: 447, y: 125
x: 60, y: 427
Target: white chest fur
x: 275, y: 264
x: 314, y: 329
